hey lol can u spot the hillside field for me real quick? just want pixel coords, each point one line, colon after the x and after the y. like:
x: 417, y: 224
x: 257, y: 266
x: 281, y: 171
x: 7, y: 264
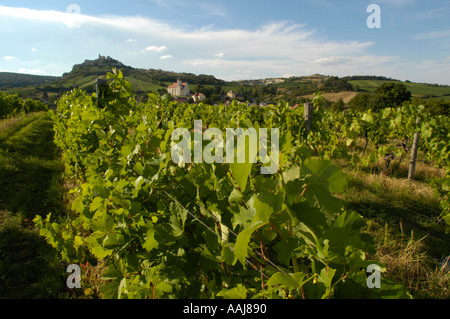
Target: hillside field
x: 417, y: 89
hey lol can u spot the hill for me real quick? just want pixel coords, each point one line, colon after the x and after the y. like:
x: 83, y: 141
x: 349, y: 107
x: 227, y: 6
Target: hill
x: 295, y: 89
x: 84, y: 76
x: 10, y: 79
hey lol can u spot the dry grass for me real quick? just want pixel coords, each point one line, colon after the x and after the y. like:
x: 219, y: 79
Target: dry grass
x: 407, y: 262
x: 399, y: 192
x: 92, y: 279
x: 10, y: 123
x: 403, y: 217
x: 346, y: 96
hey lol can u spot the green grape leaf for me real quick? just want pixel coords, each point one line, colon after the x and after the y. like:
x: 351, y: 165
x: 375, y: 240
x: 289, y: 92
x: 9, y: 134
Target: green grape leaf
x: 223, y: 189
x: 326, y: 278
x: 227, y: 254
x: 340, y: 238
x: 265, y: 204
x: 291, y: 174
x: 313, y: 217
x: 238, y: 292
x: 110, y: 289
x: 243, y: 218
x: 241, y: 246
x: 96, y: 249
x: 138, y: 183
x: 350, y: 220
x: 324, y: 179
x: 97, y: 203
x: 78, y: 205
x: 235, y: 196
x: 285, y: 248
x: 295, y: 280
x: 241, y: 172
x: 150, y: 242
x: 324, y: 173
x: 113, y: 240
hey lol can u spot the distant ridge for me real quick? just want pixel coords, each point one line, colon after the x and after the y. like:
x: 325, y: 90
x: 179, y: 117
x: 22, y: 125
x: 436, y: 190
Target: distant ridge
x: 103, y: 65
x: 11, y: 79
x: 143, y: 81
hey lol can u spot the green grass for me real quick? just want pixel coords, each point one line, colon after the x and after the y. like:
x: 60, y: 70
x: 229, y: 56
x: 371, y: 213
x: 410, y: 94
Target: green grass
x: 140, y: 85
x: 85, y: 82
x: 31, y: 184
x: 416, y: 89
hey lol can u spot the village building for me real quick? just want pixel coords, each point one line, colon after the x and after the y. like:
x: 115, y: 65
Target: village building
x: 198, y: 97
x: 178, y: 89
x: 234, y: 96
x: 231, y: 95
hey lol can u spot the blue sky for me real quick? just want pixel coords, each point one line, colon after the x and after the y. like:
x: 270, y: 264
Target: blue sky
x: 234, y: 39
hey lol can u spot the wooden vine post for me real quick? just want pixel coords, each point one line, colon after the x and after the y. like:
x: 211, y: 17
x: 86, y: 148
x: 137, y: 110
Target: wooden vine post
x: 415, y: 147
x: 309, y: 109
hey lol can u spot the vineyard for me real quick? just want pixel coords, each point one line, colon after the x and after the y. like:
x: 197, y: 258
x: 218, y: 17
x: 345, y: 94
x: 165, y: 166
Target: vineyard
x: 165, y: 229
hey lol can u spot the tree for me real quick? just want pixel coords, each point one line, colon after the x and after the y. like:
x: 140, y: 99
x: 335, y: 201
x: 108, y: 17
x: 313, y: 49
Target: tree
x: 199, y: 88
x: 389, y: 94
x: 335, y: 84
x: 162, y: 91
x: 30, y: 105
x: 217, y: 89
x: 215, y: 98
x: 378, y: 102
x: 360, y: 101
x: 338, y: 106
x: 396, y: 93
x: 433, y: 106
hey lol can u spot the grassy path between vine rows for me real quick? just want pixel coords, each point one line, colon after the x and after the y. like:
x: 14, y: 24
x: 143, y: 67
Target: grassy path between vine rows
x: 30, y: 184
x: 403, y: 217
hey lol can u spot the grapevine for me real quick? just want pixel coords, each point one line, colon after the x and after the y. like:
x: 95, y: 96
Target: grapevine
x: 204, y: 230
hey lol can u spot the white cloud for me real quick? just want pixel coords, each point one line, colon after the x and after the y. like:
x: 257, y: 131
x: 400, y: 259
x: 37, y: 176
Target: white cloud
x: 8, y: 57
x: 33, y: 49
x: 273, y: 49
x: 155, y: 48
x: 432, y: 35
x: 331, y: 60
x: 210, y: 8
x: 31, y: 71
x: 397, y: 3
